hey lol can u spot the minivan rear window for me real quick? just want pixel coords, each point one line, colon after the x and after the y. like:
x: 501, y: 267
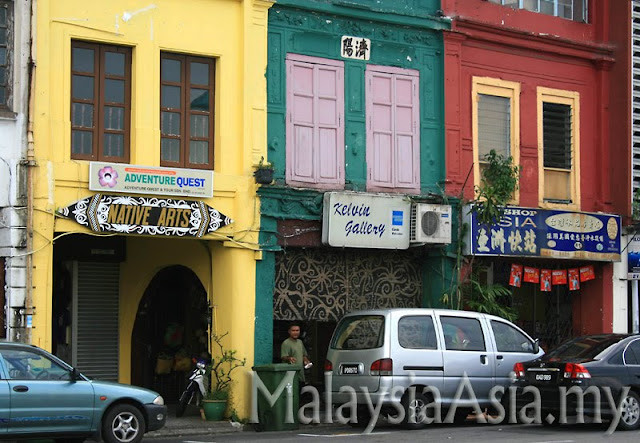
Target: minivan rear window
x: 359, y: 332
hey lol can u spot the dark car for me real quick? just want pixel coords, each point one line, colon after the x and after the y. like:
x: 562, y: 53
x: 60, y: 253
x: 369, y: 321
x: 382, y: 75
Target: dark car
x: 42, y: 396
x: 586, y: 376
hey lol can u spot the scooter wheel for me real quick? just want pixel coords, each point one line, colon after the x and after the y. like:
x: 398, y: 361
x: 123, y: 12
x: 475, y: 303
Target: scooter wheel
x: 180, y: 408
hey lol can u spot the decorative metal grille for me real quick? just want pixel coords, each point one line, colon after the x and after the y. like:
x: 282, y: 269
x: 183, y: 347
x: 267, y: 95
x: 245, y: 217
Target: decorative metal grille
x: 324, y: 285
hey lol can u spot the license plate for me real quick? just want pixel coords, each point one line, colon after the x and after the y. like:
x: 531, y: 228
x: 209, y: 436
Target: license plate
x: 350, y: 370
x: 543, y: 377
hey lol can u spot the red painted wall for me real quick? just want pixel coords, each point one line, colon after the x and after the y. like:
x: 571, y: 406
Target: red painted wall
x: 539, y: 50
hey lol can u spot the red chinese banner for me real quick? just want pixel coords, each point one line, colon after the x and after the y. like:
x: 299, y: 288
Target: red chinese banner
x: 574, y: 279
x: 586, y: 273
x: 516, y: 276
x: 559, y: 277
x: 545, y: 280
x: 531, y: 275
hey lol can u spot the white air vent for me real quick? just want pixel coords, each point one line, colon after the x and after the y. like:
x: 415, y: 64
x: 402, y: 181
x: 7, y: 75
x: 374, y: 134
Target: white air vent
x: 430, y: 223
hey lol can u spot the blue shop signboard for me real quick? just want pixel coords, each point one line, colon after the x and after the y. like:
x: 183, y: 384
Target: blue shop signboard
x: 533, y: 232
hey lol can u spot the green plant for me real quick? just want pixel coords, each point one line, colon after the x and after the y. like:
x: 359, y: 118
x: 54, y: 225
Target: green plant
x: 262, y: 164
x: 221, y: 367
x: 498, y: 183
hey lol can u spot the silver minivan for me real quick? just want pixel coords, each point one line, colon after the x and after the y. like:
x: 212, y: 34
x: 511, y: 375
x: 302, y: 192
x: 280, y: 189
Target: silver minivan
x: 382, y: 353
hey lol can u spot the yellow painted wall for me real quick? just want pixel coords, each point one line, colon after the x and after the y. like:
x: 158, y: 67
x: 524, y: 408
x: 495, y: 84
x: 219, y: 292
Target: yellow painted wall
x: 232, y: 31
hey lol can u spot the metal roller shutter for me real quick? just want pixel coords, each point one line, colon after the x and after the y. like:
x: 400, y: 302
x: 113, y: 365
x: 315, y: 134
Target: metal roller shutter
x: 95, y: 320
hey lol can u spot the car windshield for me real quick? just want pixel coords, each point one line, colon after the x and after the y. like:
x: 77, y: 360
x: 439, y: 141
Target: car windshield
x: 359, y: 332
x: 583, y: 348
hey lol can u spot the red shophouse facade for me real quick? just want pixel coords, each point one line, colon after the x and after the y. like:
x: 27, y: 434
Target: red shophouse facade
x: 528, y: 61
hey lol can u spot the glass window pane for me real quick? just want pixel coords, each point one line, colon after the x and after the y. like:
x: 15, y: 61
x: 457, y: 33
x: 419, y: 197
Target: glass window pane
x: 3, y: 76
x: 170, y: 123
x: 509, y: 339
x: 81, y: 142
x: 3, y: 17
x: 171, y: 70
x: 3, y: 95
x: 3, y: 56
x: 82, y: 115
x: 114, y: 91
x: 114, y: 145
x: 417, y: 332
x: 494, y: 125
x: 3, y: 36
x: 82, y: 60
x: 114, y: 118
x: 462, y: 334
x: 198, y: 152
x: 171, y: 97
x: 114, y: 63
x: 199, y: 73
x: 82, y: 87
x: 170, y: 150
x: 199, y: 99
x: 199, y: 126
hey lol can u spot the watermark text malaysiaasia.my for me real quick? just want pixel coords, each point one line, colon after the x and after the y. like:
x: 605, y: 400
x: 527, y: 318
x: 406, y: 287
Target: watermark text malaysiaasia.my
x: 425, y: 405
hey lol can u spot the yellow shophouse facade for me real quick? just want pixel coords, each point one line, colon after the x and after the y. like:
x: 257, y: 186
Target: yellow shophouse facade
x: 148, y: 119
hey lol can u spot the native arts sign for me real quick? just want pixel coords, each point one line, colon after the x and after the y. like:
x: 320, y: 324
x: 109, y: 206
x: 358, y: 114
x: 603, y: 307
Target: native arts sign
x: 145, y: 215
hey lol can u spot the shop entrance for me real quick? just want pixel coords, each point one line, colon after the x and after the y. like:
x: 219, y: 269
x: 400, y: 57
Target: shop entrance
x: 170, y: 329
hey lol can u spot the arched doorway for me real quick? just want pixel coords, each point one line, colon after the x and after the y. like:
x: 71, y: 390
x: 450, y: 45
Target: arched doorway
x: 170, y: 329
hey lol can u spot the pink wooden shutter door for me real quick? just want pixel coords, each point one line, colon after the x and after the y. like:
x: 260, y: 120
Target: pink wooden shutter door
x: 380, y: 129
x: 407, y: 138
x: 330, y: 105
x: 393, y: 142
x: 315, y: 124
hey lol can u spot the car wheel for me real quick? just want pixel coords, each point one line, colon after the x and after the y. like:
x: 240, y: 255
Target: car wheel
x: 630, y: 417
x: 123, y: 424
x: 415, y: 410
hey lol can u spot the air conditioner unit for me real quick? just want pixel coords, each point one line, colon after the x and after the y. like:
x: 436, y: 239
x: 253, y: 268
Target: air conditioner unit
x: 430, y: 223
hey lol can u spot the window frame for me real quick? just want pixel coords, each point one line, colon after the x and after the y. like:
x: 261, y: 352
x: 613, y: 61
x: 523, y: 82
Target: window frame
x: 186, y: 113
x: 99, y: 102
x: 521, y: 5
x: 572, y: 99
x: 394, y: 186
x: 292, y: 175
x: 8, y: 103
x: 426, y: 319
x: 497, y: 88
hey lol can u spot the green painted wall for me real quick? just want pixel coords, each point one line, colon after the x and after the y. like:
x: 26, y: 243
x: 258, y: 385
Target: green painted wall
x: 405, y: 34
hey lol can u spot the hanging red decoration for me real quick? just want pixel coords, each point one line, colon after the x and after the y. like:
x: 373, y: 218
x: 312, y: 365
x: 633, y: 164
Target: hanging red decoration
x: 574, y: 279
x: 531, y: 275
x: 545, y: 280
x: 516, y: 275
x: 587, y: 273
x: 559, y: 277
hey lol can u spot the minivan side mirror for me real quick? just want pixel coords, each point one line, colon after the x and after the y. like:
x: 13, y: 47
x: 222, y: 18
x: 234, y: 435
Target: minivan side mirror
x: 536, y: 346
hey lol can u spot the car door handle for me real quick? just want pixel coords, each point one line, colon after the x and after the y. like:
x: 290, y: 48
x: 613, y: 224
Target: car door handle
x: 483, y: 359
x: 20, y: 388
x: 499, y: 357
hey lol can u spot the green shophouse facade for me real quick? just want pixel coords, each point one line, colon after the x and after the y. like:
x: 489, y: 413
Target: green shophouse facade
x: 320, y: 106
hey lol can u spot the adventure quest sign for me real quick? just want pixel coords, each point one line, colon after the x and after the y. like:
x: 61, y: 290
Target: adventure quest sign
x: 145, y: 215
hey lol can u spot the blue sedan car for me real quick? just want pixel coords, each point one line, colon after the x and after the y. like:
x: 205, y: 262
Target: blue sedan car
x: 42, y: 396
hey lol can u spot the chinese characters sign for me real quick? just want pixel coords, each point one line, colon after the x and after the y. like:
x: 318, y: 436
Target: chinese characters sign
x: 355, y: 47
x: 547, y: 233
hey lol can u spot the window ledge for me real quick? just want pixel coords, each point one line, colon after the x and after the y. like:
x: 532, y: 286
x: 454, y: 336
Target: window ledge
x: 7, y: 115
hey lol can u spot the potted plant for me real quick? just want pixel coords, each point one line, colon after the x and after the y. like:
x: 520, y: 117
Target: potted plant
x: 264, y: 172
x: 219, y: 371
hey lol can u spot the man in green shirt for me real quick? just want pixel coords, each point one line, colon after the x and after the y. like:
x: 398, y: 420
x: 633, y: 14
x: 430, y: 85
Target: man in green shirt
x: 294, y: 352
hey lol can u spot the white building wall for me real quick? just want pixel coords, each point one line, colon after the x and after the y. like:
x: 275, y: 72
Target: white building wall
x: 620, y: 288
x: 13, y: 190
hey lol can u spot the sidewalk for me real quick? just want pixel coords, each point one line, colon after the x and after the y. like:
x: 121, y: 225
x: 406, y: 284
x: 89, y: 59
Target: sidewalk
x: 191, y: 423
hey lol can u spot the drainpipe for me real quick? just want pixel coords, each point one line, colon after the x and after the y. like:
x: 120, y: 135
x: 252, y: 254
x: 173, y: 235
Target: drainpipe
x: 30, y: 163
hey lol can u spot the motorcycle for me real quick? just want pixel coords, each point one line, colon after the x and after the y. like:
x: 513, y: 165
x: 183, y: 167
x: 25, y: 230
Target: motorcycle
x: 194, y: 392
